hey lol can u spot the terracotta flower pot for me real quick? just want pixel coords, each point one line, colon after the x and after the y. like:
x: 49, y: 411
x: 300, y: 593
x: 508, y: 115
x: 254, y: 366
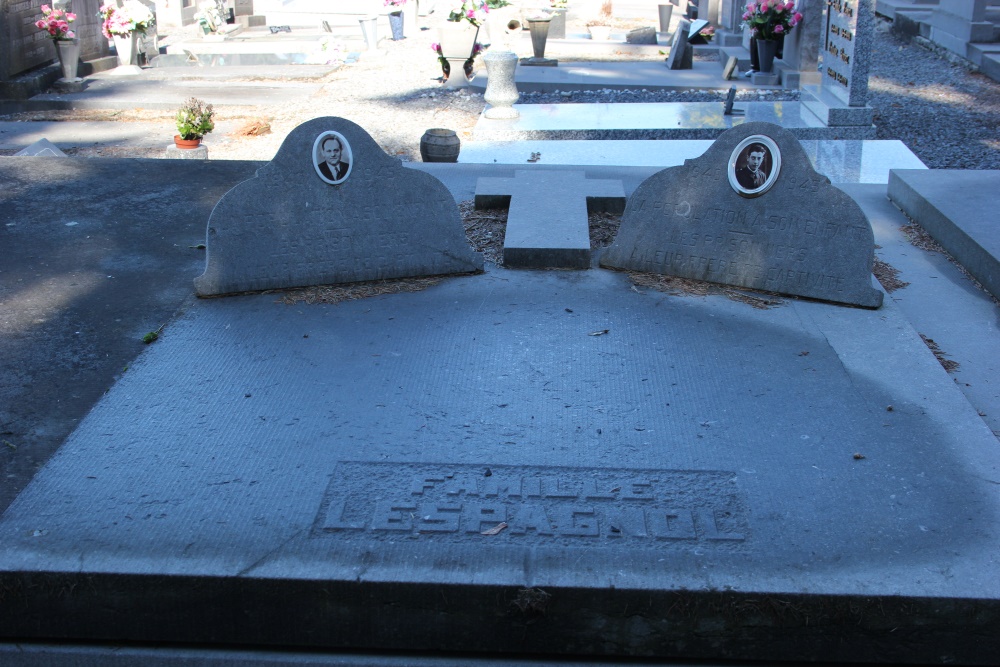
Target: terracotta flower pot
x: 186, y: 143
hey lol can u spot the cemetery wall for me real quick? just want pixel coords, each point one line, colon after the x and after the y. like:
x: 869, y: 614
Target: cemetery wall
x: 24, y: 47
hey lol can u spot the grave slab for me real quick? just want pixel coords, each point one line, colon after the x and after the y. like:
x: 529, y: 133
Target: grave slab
x: 674, y: 120
x: 703, y: 479
x: 782, y: 228
x: 958, y: 208
x: 840, y: 161
x: 547, y: 218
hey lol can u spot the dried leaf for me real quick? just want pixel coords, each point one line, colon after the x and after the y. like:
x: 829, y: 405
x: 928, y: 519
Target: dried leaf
x: 495, y: 530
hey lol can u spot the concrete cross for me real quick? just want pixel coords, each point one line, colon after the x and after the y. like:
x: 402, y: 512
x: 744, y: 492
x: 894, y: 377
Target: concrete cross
x: 547, y: 218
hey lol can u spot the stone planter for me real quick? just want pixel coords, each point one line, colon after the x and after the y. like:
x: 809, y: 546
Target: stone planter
x: 68, y: 51
x: 396, y: 25
x: 767, y: 49
x: 501, y: 91
x: 125, y: 46
x: 666, y: 12
x: 369, y: 27
x: 458, y: 42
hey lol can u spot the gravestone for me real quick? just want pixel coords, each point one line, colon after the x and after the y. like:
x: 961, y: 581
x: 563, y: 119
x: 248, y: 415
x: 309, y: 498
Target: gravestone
x: 840, y: 98
x: 680, y: 56
x: 356, y: 215
x: 776, y: 225
x: 641, y: 36
x: 547, y: 222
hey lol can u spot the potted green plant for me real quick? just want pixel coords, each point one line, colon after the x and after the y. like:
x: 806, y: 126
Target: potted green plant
x: 194, y: 121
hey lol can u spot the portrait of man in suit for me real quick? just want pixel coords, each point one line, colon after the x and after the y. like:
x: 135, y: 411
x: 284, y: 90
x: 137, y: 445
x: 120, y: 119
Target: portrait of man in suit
x: 754, y: 166
x: 332, y: 155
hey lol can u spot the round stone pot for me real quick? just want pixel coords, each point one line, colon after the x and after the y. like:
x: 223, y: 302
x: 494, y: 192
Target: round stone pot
x: 440, y: 145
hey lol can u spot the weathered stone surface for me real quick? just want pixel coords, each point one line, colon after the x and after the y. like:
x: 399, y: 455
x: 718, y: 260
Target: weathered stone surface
x: 289, y: 226
x: 795, y: 234
x: 680, y: 56
x: 641, y: 36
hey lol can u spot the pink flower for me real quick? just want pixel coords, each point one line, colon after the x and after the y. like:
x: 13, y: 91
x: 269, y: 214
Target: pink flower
x: 40, y: 24
x: 763, y: 8
x: 789, y: 6
x: 797, y: 17
x: 778, y: 29
x: 45, y: 9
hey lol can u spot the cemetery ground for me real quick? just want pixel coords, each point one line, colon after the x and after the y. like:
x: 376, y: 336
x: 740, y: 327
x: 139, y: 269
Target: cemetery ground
x: 71, y: 337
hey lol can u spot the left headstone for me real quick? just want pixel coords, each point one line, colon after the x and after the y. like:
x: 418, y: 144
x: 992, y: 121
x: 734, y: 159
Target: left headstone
x: 750, y: 212
x: 332, y: 207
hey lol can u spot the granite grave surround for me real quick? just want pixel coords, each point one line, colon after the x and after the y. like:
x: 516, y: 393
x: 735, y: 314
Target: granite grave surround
x: 511, y: 463
x: 781, y: 228
x: 537, y: 462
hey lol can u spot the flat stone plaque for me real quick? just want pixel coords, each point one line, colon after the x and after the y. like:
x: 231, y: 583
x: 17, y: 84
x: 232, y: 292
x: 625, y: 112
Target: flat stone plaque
x: 750, y: 212
x: 332, y: 207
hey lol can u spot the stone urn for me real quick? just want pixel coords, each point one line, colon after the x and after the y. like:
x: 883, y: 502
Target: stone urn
x: 501, y: 91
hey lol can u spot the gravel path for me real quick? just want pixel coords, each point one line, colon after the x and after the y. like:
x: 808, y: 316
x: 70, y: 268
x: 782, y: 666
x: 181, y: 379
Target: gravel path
x: 946, y: 114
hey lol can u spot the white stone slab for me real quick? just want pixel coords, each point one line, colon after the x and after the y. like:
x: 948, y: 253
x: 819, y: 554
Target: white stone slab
x: 840, y: 161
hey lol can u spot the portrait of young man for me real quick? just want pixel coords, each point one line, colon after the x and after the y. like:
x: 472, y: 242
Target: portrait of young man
x: 332, y: 156
x: 754, y: 166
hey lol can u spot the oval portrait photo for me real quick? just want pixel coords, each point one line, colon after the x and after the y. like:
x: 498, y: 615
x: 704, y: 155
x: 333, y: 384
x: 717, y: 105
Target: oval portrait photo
x: 754, y: 165
x: 332, y: 157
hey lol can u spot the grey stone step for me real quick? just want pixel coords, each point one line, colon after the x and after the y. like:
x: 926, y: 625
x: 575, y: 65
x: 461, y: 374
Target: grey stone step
x: 959, y: 209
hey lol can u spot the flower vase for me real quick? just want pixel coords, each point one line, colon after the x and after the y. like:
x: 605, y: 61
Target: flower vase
x: 125, y: 45
x: 369, y: 26
x: 396, y: 25
x: 767, y: 49
x: 68, y: 51
x: 458, y: 42
x: 539, y: 28
x: 501, y: 90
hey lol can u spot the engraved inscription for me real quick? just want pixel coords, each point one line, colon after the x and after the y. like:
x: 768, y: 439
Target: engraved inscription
x: 840, y: 29
x: 549, y: 505
x: 734, y: 243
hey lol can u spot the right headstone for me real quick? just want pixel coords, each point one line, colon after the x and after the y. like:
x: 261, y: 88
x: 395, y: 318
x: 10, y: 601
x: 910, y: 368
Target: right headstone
x: 751, y: 212
x: 840, y: 100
